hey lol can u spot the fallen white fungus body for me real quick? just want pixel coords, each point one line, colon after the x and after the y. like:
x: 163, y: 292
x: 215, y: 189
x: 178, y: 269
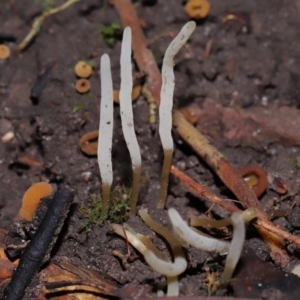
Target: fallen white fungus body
x: 127, y: 115
x: 166, y: 105
x: 157, y: 264
x: 105, y: 131
x: 184, y: 232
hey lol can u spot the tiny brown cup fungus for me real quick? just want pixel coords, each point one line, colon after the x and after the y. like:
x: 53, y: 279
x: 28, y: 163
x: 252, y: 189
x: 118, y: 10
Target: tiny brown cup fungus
x: 197, y: 9
x: 31, y: 199
x: 83, y: 70
x: 136, y: 91
x: 256, y: 177
x: 83, y: 86
x: 189, y: 115
x: 4, y: 52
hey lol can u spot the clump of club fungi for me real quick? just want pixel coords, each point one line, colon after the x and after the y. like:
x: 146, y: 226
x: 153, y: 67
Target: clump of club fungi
x: 155, y: 258
x: 189, y: 236
x: 32, y: 198
x: 83, y: 70
x: 183, y: 237
x: 197, y: 9
x: 125, y: 98
x: 106, y: 123
x: 4, y: 52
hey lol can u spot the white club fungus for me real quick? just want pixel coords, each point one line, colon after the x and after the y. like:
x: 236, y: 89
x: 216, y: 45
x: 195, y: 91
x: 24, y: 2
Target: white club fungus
x: 127, y: 116
x: 159, y: 265
x: 184, y: 232
x: 166, y: 105
x: 105, y: 131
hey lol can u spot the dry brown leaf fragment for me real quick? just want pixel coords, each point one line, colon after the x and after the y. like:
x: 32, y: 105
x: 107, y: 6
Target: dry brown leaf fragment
x: 88, y: 143
x: 64, y: 277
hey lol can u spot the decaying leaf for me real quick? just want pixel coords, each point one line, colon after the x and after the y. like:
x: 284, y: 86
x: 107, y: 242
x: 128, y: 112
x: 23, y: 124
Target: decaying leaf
x: 64, y: 277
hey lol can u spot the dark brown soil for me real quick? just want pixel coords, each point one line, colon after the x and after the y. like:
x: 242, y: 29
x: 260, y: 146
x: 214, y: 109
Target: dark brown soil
x: 253, y: 63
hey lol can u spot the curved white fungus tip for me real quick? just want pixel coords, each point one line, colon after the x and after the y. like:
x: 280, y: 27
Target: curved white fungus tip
x: 192, y: 238
x: 168, y: 83
x: 165, y: 268
x: 159, y: 265
x: 249, y: 214
x: 126, y: 100
x: 235, y: 248
x: 106, y: 122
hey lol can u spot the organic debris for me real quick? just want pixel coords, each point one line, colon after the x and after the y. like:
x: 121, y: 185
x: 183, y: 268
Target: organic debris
x: 4, y: 52
x: 41, y: 83
x: 37, y: 24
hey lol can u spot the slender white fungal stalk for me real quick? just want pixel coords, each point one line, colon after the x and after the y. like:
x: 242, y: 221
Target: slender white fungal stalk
x: 192, y: 238
x: 105, y: 131
x: 127, y: 116
x: 166, y: 105
x: 235, y: 248
x: 173, y: 286
x: 159, y: 265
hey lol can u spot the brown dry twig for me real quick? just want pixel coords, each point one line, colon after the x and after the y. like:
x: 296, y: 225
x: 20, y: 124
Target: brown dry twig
x: 143, y: 56
x: 36, y: 26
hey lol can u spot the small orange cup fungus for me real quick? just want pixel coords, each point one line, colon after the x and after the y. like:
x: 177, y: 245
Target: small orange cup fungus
x: 197, y: 9
x: 83, y: 70
x: 83, y: 86
x: 31, y: 199
x: 88, y: 143
x: 4, y: 52
x: 136, y: 91
x: 116, y: 96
